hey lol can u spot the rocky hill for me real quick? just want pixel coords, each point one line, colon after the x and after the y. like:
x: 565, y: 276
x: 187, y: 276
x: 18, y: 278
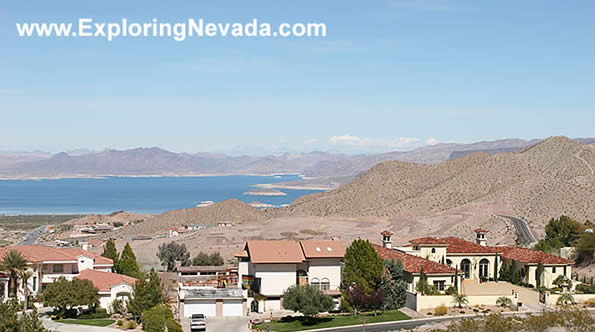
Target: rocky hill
x: 232, y: 210
x: 550, y: 178
x: 118, y: 216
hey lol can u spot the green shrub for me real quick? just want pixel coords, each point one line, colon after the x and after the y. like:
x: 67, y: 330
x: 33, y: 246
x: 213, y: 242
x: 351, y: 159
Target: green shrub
x: 440, y: 310
x: 119, y: 322
x: 586, y: 289
x: 451, y: 291
x: 131, y: 325
x: 504, y: 301
x: 99, y: 313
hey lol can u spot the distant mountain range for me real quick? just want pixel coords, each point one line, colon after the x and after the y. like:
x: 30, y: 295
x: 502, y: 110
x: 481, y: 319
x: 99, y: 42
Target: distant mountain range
x: 158, y: 162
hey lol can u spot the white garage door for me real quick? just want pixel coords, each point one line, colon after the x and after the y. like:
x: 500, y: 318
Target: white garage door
x: 232, y: 307
x: 205, y: 307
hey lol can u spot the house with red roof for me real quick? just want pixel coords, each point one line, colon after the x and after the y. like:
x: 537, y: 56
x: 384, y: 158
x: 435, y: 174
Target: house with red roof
x: 50, y: 263
x: 269, y: 267
x: 111, y: 286
x: 478, y: 261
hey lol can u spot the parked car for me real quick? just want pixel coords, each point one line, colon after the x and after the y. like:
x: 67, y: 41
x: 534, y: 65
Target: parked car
x: 198, y: 323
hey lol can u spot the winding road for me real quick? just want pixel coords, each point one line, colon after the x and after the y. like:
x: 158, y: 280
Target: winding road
x: 523, y: 231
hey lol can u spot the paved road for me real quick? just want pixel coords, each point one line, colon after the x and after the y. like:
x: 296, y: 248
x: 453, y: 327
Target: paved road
x: 33, y: 236
x: 221, y: 324
x: 522, y: 229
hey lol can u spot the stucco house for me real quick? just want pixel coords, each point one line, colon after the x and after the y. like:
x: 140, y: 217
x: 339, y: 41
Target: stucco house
x: 50, y: 263
x: 269, y: 267
x: 111, y: 286
x: 478, y: 261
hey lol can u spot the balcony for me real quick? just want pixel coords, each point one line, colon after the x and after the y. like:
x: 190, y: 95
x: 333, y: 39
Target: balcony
x: 48, y: 278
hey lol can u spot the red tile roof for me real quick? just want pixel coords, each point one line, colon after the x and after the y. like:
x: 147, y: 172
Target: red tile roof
x: 531, y: 256
x: 322, y: 249
x: 104, y: 281
x: 480, y: 230
x: 275, y: 251
x: 456, y: 245
x: 386, y: 233
x: 41, y: 253
x: 241, y: 254
x: 413, y: 264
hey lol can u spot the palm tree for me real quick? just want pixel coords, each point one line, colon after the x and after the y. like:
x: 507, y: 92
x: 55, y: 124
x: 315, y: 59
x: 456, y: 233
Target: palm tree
x: 25, y: 276
x: 460, y: 300
x: 564, y: 299
x: 13, y: 263
x: 504, y: 301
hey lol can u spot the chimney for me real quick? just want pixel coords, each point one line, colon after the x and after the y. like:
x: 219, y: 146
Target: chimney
x: 480, y: 237
x: 386, y: 240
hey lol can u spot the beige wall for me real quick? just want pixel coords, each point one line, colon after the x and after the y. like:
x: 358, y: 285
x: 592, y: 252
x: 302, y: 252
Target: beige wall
x: 275, y: 278
x: 320, y: 268
x: 456, y: 262
x: 578, y: 298
x: 430, y: 302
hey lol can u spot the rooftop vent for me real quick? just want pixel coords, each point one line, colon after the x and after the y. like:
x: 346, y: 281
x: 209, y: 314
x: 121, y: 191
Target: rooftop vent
x: 318, y: 249
x: 329, y: 249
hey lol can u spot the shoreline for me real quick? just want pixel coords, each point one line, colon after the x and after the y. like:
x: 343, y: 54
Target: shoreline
x: 293, y: 187
x: 104, y: 176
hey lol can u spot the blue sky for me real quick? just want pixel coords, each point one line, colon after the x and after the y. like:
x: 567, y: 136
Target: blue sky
x: 390, y: 75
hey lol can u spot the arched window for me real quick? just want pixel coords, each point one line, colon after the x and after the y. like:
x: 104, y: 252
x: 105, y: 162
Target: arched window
x: 433, y: 250
x: 448, y: 262
x: 315, y: 282
x: 466, y: 267
x: 325, y: 284
x: 484, y: 266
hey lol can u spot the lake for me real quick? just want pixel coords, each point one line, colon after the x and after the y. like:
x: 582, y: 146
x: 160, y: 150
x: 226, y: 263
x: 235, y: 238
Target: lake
x: 134, y: 194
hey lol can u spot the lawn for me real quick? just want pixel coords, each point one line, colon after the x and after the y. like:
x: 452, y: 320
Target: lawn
x: 300, y: 323
x: 93, y: 322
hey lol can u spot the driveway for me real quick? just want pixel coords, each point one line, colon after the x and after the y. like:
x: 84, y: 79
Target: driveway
x: 221, y: 324
x: 54, y: 326
x: 526, y: 295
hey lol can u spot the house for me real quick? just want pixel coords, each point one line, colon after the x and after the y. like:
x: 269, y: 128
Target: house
x: 111, y: 286
x: 172, y: 232
x: 224, y: 224
x: 211, y: 301
x: 439, y: 275
x: 478, y: 261
x: 49, y: 263
x: 269, y: 267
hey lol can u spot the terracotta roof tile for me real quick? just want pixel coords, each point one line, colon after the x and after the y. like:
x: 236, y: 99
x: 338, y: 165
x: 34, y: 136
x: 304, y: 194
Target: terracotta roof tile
x: 41, y: 253
x: 456, y: 245
x: 322, y: 248
x: 480, y: 230
x: 388, y: 233
x: 104, y: 281
x: 413, y: 264
x: 531, y: 256
x: 275, y: 251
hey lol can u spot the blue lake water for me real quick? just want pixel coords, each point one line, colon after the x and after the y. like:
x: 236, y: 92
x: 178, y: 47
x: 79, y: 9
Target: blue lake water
x: 134, y: 194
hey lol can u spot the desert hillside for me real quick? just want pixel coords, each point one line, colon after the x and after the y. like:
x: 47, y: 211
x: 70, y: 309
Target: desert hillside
x: 550, y: 178
x: 232, y: 210
x: 118, y: 216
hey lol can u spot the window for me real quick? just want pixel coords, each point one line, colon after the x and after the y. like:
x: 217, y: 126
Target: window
x: 34, y: 284
x: 315, y: 283
x: 325, y: 284
x: 484, y: 268
x: 440, y: 284
x: 553, y: 269
x: 58, y: 268
x: 448, y: 262
x: 433, y: 250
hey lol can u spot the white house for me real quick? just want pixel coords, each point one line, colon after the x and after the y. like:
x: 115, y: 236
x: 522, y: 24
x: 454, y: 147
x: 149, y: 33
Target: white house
x: 111, y: 286
x: 50, y: 263
x: 210, y: 301
x: 269, y: 267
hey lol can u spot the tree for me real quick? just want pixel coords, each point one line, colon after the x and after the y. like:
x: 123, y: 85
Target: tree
x: 25, y: 276
x: 110, y: 251
x: 562, y: 281
x: 14, y: 264
x: 585, y: 248
x: 64, y: 294
x: 504, y: 301
x: 127, y: 263
x: 422, y: 284
x: 172, y: 252
x: 515, y: 274
x: 9, y: 321
x: 460, y: 300
x: 564, y: 229
x: 146, y: 294
x: 394, y: 287
x: 363, y: 266
x: 307, y: 300
x: 565, y: 298
x: 361, y: 300
x: 539, y: 274
x: 158, y: 318
x: 204, y: 259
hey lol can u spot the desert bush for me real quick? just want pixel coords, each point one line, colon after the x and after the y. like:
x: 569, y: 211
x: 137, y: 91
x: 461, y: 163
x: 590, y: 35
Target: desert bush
x: 590, y: 302
x: 440, y: 310
x: 451, y: 290
x: 131, y: 325
x: 119, y: 322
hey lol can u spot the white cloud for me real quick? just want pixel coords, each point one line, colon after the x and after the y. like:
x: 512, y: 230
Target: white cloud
x: 431, y: 141
x: 374, y: 143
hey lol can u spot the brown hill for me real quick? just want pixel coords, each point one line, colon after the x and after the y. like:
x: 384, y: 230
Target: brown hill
x: 119, y: 216
x: 232, y: 210
x: 545, y: 180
